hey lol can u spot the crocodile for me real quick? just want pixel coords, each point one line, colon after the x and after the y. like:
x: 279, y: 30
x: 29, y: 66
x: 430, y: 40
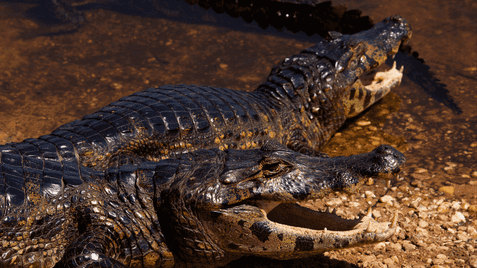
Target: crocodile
x: 61, y: 201
x: 305, y: 99
x: 201, y: 209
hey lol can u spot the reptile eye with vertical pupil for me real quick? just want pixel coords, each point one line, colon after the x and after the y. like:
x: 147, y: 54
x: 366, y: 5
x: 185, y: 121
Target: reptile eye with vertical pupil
x: 272, y: 167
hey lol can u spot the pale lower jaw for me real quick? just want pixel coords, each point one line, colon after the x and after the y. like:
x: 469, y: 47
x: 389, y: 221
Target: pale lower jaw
x: 385, y: 81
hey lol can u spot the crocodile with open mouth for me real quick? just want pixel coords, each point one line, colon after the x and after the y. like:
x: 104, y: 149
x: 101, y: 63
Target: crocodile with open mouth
x: 131, y: 185
x: 305, y: 99
x: 202, y: 209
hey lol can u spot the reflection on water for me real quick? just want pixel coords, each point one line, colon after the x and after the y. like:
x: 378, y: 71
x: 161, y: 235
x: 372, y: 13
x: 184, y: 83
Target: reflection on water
x: 48, y: 80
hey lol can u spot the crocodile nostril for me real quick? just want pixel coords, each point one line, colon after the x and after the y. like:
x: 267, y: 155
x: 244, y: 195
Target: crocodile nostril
x: 397, y: 18
x: 382, y: 149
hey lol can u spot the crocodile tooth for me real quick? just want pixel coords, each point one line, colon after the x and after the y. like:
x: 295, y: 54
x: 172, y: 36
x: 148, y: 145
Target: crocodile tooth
x: 388, y: 183
x: 332, y: 211
x: 370, y: 212
x: 394, y: 55
x: 369, y: 229
x: 395, y: 218
x: 400, y: 70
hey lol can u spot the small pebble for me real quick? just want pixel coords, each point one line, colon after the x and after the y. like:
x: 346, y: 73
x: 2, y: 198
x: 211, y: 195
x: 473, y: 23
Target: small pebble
x: 458, y: 217
x: 369, y: 194
x: 423, y: 224
x: 472, y: 209
x: 387, y: 199
x: 447, y: 189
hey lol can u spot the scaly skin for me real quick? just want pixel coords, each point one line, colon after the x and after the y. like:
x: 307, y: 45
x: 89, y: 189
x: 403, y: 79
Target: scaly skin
x: 306, y: 98
x: 203, y: 209
x: 68, y: 197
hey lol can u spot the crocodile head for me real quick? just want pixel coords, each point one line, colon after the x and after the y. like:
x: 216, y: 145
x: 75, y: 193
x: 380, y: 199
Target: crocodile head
x: 237, y: 203
x: 348, y: 76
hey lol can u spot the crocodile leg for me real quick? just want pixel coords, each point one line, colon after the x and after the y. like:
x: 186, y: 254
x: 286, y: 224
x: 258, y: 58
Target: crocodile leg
x: 92, y: 249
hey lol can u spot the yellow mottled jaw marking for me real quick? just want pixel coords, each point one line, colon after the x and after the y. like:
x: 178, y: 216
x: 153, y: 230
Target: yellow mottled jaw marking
x: 385, y: 81
x: 360, y: 96
x: 291, y: 231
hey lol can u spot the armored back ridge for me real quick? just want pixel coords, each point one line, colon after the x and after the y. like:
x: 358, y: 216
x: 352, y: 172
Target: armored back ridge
x: 162, y: 177
x: 306, y: 98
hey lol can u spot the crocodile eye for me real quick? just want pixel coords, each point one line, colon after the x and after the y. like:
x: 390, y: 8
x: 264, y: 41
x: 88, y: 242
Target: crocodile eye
x: 273, y: 167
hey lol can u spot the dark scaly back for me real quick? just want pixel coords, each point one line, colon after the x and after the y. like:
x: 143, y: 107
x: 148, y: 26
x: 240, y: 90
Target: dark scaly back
x: 35, y: 207
x: 300, y: 105
x: 134, y: 127
x: 48, y: 205
x: 303, y: 84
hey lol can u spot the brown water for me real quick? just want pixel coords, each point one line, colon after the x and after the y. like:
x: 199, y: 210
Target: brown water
x: 47, y: 81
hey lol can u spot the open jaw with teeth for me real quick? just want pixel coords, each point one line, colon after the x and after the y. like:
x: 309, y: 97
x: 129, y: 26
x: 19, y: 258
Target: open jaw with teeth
x: 371, y: 87
x: 383, y: 81
x: 272, y: 219
x: 290, y: 230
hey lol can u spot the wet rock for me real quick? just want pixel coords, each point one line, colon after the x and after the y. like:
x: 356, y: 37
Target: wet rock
x: 404, y: 188
x: 456, y: 205
x: 421, y: 170
x: 370, y: 181
x: 449, y: 170
x: 415, y: 203
x: 443, y: 218
x: 363, y: 123
x: 334, y: 202
x: 420, y: 177
x: 462, y: 236
x: 472, y: 209
x: 380, y: 246
x: 458, y: 217
x: 472, y: 232
x: 473, y: 261
x: 390, y: 262
x: 387, y: 199
x: 376, y: 214
x: 422, y: 215
x: 438, y: 202
x: 470, y: 248
x: 408, y: 246
x: 369, y: 194
x: 395, y: 246
x: 422, y: 232
x: 423, y: 224
x: 447, y: 189
x: 440, y: 259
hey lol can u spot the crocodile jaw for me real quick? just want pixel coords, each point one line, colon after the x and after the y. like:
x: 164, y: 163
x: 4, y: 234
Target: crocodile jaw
x: 306, y: 232
x: 360, y: 96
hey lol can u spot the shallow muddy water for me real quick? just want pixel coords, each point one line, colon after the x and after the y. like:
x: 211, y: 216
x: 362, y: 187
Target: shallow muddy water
x: 49, y: 80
